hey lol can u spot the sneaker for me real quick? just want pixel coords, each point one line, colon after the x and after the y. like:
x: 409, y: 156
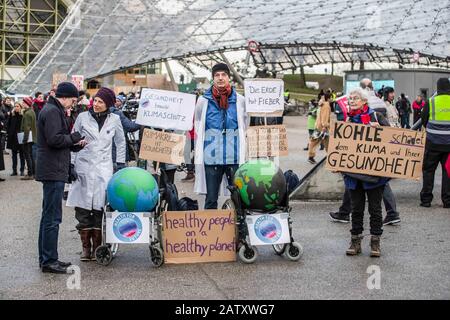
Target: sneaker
x: 27, y: 178
x: 311, y: 160
x: 425, y: 204
x: 339, y: 217
x: 391, y: 220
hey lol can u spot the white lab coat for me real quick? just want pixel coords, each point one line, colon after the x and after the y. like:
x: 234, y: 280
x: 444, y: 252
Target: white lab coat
x: 94, y: 164
x: 200, y: 119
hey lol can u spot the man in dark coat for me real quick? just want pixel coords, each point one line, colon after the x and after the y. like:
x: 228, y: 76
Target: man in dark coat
x: 14, y: 127
x: 55, y: 142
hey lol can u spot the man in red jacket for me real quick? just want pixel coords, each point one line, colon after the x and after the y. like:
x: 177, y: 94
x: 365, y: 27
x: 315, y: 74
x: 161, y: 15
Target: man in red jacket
x: 418, y: 105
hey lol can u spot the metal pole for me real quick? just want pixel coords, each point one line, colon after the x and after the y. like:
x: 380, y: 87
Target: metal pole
x: 233, y: 70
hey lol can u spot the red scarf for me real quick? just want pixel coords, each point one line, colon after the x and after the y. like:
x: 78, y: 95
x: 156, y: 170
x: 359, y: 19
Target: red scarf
x: 221, y: 95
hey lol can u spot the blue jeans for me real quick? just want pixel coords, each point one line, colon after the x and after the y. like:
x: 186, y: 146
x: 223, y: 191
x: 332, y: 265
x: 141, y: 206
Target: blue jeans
x: 214, y: 175
x: 50, y: 221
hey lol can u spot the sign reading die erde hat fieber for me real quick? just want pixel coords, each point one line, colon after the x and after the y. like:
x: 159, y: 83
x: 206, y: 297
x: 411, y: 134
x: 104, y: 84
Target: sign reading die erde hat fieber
x: 168, y: 110
x: 264, y: 96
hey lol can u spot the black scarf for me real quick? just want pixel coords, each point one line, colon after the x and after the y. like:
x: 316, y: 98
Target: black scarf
x: 99, y: 117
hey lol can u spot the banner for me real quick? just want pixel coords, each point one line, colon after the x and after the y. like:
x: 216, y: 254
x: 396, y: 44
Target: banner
x: 268, y: 229
x: 58, y: 78
x: 264, y: 96
x: 378, y: 151
x: 166, y: 110
x: 199, y: 236
x: 267, y: 141
x: 162, y: 146
x: 125, y: 227
x: 78, y: 81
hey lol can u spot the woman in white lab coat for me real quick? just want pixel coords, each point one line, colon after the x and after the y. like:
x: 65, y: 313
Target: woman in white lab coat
x: 92, y: 168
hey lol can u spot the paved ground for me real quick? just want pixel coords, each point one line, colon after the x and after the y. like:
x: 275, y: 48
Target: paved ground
x: 415, y: 262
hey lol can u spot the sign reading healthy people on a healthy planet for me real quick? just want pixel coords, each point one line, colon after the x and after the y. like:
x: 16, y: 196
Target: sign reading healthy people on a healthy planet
x: 168, y: 110
x: 264, y: 96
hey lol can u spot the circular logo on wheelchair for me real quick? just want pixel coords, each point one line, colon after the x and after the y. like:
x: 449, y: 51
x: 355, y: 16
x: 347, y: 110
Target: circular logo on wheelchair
x: 268, y: 229
x: 127, y: 227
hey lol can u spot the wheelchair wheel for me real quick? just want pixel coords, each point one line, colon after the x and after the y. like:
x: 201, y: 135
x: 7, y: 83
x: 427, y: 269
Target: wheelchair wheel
x: 156, y: 256
x: 103, y: 255
x: 279, y: 249
x: 228, y: 205
x: 294, y: 251
x: 248, y: 254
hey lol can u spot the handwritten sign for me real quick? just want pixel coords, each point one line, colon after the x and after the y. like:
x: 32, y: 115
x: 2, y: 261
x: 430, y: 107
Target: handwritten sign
x: 267, y: 141
x: 78, y: 81
x: 58, y: 78
x: 166, y: 109
x: 382, y: 151
x: 162, y: 146
x: 199, y: 236
x: 264, y: 96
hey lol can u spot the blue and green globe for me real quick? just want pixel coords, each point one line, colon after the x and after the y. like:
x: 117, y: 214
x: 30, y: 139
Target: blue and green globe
x: 261, y: 184
x: 133, y: 190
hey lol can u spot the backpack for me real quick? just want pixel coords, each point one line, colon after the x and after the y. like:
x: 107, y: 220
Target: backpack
x: 187, y: 204
x: 292, y: 181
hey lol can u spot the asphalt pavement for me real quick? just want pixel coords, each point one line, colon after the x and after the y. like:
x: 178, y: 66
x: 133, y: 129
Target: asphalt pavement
x: 415, y: 261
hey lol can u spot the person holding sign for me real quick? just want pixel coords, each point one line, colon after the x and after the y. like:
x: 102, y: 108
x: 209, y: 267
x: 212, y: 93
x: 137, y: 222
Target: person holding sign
x: 436, y: 120
x: 220, y: 123
x: 92, y: 168
x: 361, y: 185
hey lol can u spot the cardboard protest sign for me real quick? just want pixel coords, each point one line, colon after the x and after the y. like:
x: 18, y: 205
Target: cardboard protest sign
x: 199, y: 236
x: 78, y: 81
x: 166, y: 109
x: 268, y: 229
x: 267, y: 141
x: 162, y: 146
x: 264, y: 96
x: 127, y: 227
x: 58, y: 78
x: 378, y: 151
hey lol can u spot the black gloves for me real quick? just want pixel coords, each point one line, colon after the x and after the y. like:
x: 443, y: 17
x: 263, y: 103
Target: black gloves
x: 76, y: 137
x: 73, y: 176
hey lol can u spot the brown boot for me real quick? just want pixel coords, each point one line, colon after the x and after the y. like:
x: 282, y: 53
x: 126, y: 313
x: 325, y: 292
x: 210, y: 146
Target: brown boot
x: 375, y: 250
x: 96, y: 241
x: 355, y: 246
x: 85, y: 236
x: 189, y: 177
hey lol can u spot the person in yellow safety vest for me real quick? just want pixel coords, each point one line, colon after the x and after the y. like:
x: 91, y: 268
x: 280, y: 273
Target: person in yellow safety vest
x: 436, y: 120
x: 287, y: 95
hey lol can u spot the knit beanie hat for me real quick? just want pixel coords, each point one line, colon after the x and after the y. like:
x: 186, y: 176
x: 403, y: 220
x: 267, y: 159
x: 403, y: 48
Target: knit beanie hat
x: 443, y: 86
x: 28, y: 101
x: 107, y: 95
x: 66, y: 90
x: 220, y: 67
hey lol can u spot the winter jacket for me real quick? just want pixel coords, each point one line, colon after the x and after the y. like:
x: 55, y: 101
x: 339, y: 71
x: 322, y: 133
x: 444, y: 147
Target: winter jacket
x: 323, y: 117
x: 350, y: 182
x: 28, y: 125
x: 54, y: 143
x: 14, y: 125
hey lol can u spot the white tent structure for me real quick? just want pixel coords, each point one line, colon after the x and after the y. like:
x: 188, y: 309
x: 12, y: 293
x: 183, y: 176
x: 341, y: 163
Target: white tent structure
x: 102, y: 36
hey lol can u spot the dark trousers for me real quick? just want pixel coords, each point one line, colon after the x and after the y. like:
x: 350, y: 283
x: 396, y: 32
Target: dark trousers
x: 358, y: 198
x: 51, y: 218
x: 416, y: 115
x: 388, y: 198
x: 18, y: 152
x: 88, y: 219
x: 28, y: 153
x: 431, y: 160
x: 405, y: 121
x: 214, y: 175
x: 191, y: 166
